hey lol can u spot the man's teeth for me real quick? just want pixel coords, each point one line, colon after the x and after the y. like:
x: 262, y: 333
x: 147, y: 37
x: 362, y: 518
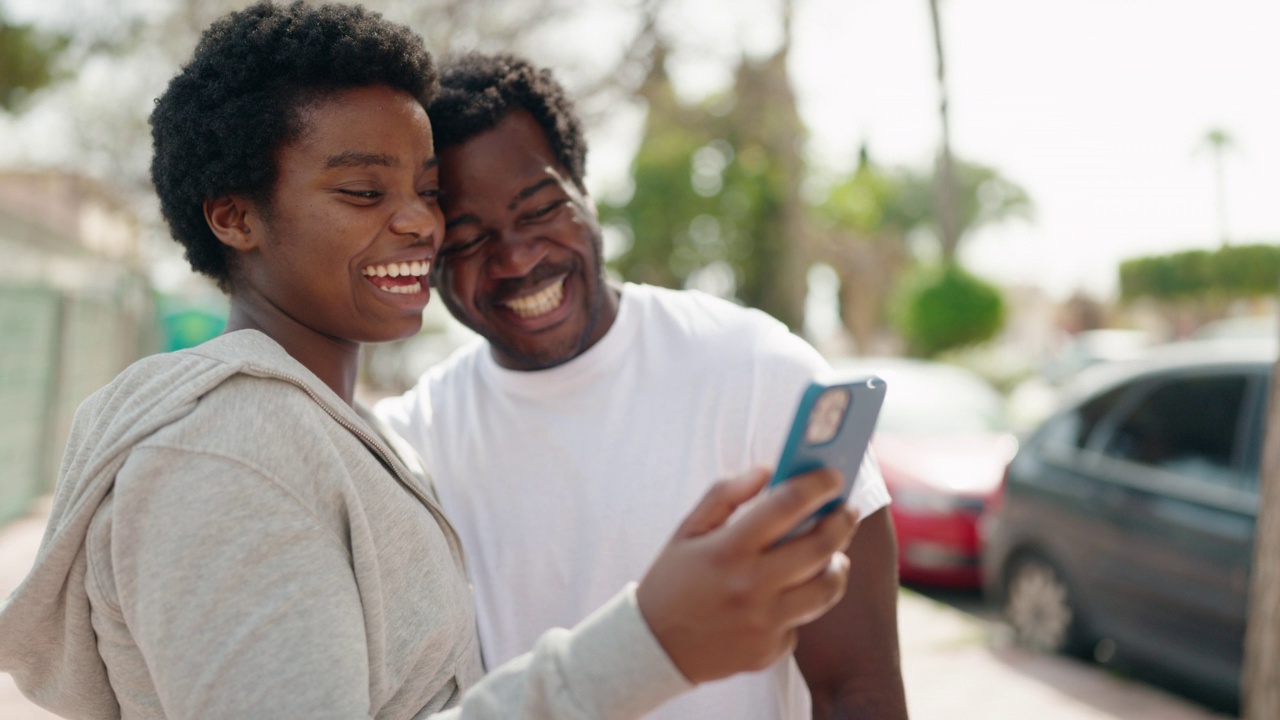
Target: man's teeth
x: 543, y: 301
x: 417, y: 268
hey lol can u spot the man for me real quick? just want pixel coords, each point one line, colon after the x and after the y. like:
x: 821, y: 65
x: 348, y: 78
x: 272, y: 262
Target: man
x: 567, y: 442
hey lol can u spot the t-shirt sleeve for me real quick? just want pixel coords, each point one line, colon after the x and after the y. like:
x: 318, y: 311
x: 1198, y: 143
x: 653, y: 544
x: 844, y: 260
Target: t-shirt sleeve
x: 409, y: 416
x: 785, y: 365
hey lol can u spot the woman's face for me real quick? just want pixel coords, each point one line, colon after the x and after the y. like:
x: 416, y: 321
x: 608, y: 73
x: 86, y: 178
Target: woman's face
x: 354, y: 222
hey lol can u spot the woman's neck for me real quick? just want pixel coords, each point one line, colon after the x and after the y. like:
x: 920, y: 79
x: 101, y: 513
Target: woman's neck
x: 336, y: 362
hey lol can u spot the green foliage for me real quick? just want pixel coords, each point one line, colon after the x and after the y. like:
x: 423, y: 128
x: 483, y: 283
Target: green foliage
x: 28, y: 59
x: 875, y: 200
x: 947, y: 308
x: 1233, y: 271
x: 711, y: 187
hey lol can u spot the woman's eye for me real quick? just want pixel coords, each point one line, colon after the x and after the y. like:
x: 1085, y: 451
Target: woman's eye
x: 362, y: 194
x: 433, y: 194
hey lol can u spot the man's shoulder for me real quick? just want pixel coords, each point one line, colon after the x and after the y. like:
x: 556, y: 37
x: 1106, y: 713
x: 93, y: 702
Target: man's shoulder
x: 408, y: 412
x: 700, y: 314
x: 716, y: 326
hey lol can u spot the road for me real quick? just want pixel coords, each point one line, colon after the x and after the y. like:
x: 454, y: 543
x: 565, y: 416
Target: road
x: 954, y: 663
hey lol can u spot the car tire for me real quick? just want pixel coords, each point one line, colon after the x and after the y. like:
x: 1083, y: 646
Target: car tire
x: 1039, y: 605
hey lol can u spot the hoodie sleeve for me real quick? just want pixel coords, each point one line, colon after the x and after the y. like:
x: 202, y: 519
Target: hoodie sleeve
x: 610, y: 666
x: 241, y: 603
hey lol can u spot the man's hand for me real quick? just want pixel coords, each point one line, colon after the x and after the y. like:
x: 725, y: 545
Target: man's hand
x: 723, y: 599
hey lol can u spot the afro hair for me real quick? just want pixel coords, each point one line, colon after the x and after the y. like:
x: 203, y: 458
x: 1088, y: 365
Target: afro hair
x: 477, y: 91
x: 218, y: 125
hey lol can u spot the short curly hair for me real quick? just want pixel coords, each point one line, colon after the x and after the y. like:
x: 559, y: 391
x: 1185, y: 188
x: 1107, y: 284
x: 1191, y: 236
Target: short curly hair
x: 218, y: 125
x: 478, y: 90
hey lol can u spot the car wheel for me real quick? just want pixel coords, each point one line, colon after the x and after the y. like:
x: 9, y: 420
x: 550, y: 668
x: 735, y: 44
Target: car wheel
x: 1039, y: 606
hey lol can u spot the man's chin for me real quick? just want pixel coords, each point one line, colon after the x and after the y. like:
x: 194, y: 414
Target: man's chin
x: 542, y: 355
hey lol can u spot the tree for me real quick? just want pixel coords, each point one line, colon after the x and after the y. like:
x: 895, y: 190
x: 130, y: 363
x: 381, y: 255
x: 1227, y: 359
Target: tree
x: 945, y: 180
x: 865, y: 219
x: 717, y: 188
x: 1218, y: 142
x: 28, y: 61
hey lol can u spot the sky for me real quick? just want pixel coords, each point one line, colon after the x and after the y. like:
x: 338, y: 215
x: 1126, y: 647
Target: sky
x: 1098, y: 108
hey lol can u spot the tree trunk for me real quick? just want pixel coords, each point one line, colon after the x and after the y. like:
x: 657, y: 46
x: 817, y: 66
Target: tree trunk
x: 948, y: 220
x: 1260, y: 683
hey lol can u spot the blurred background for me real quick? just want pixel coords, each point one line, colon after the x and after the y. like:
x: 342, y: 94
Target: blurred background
x: 980, y: 197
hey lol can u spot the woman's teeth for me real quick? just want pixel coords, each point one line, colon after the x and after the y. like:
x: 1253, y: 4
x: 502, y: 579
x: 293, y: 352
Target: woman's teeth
x: 404, y: 278
x: 539, y: 303
x: 417, y: 268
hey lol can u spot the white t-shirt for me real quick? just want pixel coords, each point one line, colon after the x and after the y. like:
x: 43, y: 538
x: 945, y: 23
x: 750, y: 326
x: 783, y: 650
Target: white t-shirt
x: 565, y: 483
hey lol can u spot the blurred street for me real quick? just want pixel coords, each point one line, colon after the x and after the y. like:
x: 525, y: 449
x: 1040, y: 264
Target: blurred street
x: 951, y: 666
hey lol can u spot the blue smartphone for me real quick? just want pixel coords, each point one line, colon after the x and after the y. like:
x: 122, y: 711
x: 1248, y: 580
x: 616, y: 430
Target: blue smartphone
x: 832, y: 428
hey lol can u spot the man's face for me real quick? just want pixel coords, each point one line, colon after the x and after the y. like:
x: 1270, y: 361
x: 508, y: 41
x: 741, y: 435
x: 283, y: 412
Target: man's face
x: 354, y: 221
x: 520, y: 263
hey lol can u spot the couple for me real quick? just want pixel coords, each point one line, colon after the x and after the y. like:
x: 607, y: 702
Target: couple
x: 233, y: 537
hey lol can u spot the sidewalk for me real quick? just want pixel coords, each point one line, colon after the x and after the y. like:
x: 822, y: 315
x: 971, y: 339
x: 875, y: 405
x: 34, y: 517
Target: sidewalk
x: 950, y: 667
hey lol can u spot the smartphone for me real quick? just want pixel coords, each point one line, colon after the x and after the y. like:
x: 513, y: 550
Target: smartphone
x: 832, y: 428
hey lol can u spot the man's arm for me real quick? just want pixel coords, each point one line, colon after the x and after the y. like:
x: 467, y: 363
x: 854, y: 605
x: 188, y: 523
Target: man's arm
x: 849, y: 657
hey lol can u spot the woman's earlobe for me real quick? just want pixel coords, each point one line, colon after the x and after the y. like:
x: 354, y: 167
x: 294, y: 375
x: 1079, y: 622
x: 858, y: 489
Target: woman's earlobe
x: 228, y: 220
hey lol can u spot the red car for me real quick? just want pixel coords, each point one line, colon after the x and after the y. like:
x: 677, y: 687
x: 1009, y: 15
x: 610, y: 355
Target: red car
x: 943, y: 445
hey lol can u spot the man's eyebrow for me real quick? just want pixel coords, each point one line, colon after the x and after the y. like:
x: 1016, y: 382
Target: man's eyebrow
x: 359, y: 159
x: 529, y: 191
x: 432, y: 162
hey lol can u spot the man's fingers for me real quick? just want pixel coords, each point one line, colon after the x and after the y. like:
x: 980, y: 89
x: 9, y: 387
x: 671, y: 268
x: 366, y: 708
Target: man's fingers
x: 720, y: 501
x: 799, y: 560
x: 784, y: 506
x: 809, y: 601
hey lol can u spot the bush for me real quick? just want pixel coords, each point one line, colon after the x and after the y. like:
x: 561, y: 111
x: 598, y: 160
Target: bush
x: 949, y: 308
x: 1230, y: 272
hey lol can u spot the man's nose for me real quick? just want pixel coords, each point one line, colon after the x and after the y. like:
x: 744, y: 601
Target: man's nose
x: 516, y: 254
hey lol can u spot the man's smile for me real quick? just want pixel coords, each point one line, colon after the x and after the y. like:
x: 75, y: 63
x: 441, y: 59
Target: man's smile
x: 539, y: 302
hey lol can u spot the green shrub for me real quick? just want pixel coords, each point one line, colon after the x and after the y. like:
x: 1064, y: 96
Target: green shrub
x: 1229, y: 272
x: 948, y: 308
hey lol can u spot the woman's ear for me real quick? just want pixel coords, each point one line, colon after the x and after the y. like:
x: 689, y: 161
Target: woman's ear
x: 228, y: 218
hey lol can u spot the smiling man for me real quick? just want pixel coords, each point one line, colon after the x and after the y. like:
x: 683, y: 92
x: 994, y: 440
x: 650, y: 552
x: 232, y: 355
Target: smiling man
x: 568, y: 442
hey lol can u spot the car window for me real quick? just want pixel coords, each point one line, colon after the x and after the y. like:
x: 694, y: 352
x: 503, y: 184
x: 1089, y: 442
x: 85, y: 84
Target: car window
x: 1190, y: 426
x: 1072, y: 429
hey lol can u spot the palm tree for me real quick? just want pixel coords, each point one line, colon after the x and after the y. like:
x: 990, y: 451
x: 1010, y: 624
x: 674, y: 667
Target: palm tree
x: 948, y: 222
x: 1218, y: 142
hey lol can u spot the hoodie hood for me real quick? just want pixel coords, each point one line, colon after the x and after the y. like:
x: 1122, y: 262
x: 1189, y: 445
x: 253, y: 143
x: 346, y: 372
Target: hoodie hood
x: 47, y: 642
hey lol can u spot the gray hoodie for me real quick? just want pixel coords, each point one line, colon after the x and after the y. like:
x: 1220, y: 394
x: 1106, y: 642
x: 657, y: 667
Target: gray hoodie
x: 230, y: 539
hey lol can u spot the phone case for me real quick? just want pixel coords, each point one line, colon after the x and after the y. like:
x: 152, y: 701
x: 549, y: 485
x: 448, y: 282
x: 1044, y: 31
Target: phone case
x: 832, y: 428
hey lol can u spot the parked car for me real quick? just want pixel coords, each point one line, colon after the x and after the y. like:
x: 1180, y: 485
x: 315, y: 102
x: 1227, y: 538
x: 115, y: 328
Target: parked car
x: 942, y: 444
x: 1128, y: 516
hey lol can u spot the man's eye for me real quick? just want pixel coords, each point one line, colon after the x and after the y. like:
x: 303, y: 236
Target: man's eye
x: 362, y: 194
x: 462, y: 248
x: 544, y: 211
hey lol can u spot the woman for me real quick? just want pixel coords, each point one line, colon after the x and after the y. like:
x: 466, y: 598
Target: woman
x: 233, y: 537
